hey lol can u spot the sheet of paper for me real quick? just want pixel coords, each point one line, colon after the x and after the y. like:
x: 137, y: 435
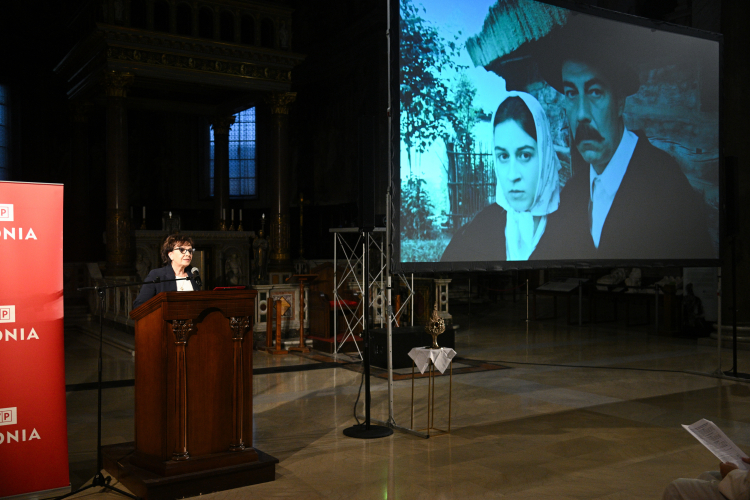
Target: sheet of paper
x: 717, y: 442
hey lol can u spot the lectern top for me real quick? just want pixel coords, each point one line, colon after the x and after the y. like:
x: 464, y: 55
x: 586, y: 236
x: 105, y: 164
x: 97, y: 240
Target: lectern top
x: 190, y: 305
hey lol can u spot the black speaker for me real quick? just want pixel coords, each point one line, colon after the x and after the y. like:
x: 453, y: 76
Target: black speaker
x: 731, y: 224
x: 367, y: 140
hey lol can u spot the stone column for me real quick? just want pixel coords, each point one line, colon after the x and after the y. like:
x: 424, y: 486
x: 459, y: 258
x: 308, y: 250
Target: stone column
x: 173, y: 17
x: 194, y: 7
x: 119, y: 259
x: 77, y: 214
x: 279, y: 234
x: 221, y: 126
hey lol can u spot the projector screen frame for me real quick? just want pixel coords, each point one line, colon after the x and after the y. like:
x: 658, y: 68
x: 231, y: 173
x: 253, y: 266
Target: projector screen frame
x: 494, y: 266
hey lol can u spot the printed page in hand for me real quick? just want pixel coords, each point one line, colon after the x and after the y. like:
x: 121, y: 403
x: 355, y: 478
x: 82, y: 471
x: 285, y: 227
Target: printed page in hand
x: 717, y: 442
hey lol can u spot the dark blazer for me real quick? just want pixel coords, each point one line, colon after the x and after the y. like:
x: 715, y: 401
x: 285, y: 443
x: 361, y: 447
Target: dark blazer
x: 164, y: 273
x: 482, y: 239
x: 656, y: 214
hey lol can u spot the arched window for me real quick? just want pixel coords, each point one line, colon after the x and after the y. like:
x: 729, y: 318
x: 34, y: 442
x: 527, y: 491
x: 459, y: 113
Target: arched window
x: 205, y: 23
x: 161, y: 16
x: 242, y: 168
x: 184, y: 19
x: 226, y: 23
x: 4, y: 135
x: 138, y: 14
x: 247, y: 30
x: 266, y: 33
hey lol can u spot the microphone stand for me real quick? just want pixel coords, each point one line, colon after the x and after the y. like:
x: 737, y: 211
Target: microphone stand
x: 99, y: 479
x: 366, y: 430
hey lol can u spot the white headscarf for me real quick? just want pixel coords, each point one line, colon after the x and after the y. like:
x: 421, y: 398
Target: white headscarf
x: 520, y: 237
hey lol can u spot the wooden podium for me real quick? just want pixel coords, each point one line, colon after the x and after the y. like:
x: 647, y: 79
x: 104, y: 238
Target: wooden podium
x: 193, y: 398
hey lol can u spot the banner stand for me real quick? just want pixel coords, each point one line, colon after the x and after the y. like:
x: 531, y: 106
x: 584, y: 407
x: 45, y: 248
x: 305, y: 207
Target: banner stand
x: 33, y: 415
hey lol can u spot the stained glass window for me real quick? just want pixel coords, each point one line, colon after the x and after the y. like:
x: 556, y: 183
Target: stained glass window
x: 242, y: 171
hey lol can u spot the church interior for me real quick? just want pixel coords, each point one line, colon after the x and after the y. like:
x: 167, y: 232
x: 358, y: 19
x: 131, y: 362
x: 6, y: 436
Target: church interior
x: 137, y: 107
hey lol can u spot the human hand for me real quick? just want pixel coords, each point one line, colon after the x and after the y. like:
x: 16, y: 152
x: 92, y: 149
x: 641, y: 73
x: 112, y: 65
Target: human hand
x: 726, y: 467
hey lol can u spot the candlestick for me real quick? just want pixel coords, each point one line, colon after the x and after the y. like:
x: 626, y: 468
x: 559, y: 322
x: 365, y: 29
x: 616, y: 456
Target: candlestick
x: 144, y: 211
x: 240, y: 215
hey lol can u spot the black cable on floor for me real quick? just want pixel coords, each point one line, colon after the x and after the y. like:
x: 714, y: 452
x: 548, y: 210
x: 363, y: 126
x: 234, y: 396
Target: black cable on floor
x: 597, y: 367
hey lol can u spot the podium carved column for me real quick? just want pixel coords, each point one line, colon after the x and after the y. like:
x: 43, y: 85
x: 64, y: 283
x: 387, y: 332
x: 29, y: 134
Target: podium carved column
x: 280, y: 103
x: 181, y: 330
x: 239, y: 326
x: 221, y: 126
x: 119, y: 261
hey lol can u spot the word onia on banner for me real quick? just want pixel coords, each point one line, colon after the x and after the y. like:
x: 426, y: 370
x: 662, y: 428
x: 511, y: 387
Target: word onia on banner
x: 33, y: 428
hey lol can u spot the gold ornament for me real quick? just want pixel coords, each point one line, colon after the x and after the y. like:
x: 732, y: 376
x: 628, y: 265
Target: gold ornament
x: 435, y: 326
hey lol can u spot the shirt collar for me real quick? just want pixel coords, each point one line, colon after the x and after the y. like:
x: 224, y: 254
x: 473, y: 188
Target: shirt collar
x: 611, y: 178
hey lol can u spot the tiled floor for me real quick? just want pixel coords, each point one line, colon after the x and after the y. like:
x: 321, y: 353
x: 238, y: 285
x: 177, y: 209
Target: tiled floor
x: 584, y: 412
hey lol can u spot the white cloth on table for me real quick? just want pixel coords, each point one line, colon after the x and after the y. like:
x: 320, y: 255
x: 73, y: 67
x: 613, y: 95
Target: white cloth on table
x: 441, y: 358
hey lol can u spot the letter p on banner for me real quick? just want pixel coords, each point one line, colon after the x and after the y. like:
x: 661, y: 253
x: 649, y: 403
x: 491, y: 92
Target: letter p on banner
x: 7, y: 314
x: 33, y: 426
x: 6, y: 213
x: 8, y: 416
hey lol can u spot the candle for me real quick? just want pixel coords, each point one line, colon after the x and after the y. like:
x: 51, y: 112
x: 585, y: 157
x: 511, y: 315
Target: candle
x: 224, y: 213
x: 232, y: 215
x: 240, y: 215
x: 170, y: 215
x: 144, y: 211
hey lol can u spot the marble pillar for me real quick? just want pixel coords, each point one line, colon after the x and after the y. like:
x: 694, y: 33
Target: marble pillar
x: 119, y: 255
x: 78, y: 211
x: 280, y: 103
x: 221, y: 126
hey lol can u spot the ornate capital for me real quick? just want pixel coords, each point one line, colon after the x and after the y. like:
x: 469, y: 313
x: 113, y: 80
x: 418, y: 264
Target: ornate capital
x: 182, y: 328
x: 239, y: 325
x: 222, y: 124
x: 280, y: 102
x: 116, y: 83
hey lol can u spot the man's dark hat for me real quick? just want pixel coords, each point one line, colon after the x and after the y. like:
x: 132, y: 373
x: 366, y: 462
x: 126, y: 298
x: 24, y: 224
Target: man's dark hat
x: 609, y: 46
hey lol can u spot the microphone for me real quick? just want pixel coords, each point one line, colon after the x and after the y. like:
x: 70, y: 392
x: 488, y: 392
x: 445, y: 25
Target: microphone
x: 196, y: 275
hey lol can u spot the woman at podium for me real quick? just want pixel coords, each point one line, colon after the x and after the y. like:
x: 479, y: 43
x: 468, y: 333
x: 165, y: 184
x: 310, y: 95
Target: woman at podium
x: 176, y: 254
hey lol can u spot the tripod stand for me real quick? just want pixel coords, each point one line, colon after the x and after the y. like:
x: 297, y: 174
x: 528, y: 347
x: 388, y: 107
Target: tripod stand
x: 99, y: 479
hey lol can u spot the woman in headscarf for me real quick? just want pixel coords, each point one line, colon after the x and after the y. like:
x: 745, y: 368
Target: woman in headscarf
x: 528, y: 187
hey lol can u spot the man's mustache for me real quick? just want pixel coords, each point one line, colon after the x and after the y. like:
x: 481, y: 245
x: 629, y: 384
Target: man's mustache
x: 585, y: 132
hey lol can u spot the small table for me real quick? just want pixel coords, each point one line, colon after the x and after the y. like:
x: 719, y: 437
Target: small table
x: 564, y: 287
x: 424, y: 358
x: 301, y: 279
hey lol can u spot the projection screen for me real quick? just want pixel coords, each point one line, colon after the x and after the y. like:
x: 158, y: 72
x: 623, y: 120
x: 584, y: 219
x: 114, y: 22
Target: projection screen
x: 532, y: 135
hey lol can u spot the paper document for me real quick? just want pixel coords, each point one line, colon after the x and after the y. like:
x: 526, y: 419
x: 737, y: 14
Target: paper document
x: 717, y: 442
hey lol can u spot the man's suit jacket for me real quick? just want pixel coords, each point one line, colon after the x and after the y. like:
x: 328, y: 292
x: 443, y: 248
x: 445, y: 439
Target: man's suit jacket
x: 163, y: 273
x: 655, y: 214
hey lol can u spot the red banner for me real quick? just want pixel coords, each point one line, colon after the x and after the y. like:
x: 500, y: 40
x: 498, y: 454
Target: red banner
x: 33, y: 426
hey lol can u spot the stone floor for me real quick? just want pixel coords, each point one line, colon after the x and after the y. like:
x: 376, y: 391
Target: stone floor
x: 584, y: 412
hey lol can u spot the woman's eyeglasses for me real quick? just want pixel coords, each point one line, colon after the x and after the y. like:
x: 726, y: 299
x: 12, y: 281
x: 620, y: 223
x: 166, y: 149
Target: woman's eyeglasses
x: 185, y: 250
